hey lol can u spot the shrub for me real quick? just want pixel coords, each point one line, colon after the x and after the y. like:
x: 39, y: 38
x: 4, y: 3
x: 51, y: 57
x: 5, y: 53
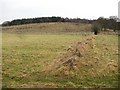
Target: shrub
x: 96, y: 28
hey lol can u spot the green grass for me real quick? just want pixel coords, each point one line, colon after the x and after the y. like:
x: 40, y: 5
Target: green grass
x: 24, y: 57
x: 29, y: 54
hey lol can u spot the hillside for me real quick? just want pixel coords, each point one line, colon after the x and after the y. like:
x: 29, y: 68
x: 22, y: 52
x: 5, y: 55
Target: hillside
x: 59, y: 55
x: 48, y: 28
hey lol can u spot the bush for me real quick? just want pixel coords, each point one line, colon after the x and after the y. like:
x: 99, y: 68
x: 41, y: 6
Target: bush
x: 96, y: 28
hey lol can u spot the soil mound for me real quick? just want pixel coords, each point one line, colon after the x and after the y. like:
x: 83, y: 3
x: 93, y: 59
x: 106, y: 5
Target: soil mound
x: 80, y: 59
x: 68, y: 60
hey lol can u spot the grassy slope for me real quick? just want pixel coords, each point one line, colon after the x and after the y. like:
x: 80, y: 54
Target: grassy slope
x: 26, y: 55
x: 48, y: 28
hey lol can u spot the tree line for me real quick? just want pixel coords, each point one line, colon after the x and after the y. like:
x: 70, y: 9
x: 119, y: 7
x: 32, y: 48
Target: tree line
x: 43, y: 20
x: 105, y: 23
x: 101, y: 23
x: 33, y: 20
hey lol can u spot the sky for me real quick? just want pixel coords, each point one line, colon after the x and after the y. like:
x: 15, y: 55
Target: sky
x: 89, y: 9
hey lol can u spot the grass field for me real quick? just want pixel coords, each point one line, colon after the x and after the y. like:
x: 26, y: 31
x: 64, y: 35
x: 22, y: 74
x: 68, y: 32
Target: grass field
x: 26, y: 55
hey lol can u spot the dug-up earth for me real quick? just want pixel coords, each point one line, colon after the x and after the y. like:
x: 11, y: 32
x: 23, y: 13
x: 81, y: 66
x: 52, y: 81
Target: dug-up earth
x: 83, y: 60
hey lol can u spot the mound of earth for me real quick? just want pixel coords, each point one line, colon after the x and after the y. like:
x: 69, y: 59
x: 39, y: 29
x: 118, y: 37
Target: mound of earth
x: 81, y: 59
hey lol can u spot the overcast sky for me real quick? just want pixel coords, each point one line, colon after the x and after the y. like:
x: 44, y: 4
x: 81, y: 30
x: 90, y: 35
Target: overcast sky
x: 90, y: 9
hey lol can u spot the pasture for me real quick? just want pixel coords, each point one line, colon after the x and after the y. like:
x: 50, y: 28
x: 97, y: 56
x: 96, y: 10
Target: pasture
x: 31, y: 52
